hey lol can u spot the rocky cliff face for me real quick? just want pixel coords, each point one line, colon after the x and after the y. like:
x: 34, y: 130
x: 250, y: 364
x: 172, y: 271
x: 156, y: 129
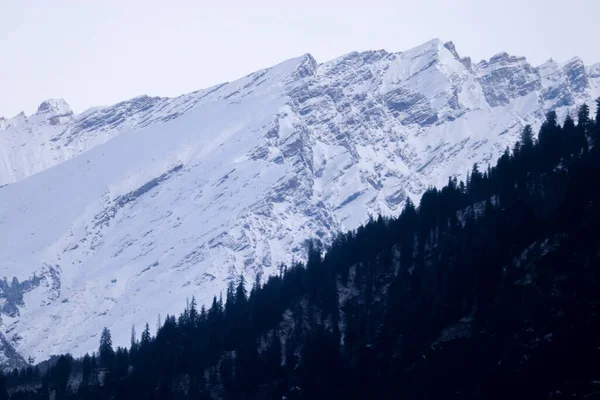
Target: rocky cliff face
x: 118, y: 214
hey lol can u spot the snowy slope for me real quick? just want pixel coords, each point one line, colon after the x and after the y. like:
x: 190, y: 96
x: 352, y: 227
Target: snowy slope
x: 53, y: 134
x: 113, y: 216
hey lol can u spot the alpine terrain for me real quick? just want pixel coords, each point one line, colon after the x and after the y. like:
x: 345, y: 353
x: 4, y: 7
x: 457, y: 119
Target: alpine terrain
x: 111, y: 217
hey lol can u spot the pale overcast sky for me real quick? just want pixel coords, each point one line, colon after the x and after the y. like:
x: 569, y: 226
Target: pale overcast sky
x: 104, y: 51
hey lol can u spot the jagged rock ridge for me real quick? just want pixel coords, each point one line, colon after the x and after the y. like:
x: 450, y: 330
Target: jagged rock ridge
x: 122, y: 212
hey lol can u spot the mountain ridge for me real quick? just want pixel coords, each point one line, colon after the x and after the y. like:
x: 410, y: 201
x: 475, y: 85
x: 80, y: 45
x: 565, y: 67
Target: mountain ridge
x: 155, y: 195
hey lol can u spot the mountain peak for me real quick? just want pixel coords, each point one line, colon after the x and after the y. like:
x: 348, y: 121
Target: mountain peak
x: 450, y: 46
x: 501, y: 60
x: 503, y: 56
x: 55, y: 106
x: 435, y: 42
x: 575, y: 59
x: 307, y: 66
x: 432, y: 46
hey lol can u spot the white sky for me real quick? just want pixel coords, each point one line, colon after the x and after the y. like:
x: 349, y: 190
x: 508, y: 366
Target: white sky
x: 104, y: 51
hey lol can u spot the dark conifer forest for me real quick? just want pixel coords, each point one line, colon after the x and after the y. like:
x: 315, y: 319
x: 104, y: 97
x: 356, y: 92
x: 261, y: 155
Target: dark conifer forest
x: 489, y: 289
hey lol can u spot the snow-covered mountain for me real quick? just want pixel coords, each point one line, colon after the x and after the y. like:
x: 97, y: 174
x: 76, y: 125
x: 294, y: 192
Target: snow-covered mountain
x: 119, y: 214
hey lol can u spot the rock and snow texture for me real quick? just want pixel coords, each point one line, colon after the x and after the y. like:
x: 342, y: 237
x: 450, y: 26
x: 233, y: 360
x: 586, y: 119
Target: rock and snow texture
x: 118, y: 214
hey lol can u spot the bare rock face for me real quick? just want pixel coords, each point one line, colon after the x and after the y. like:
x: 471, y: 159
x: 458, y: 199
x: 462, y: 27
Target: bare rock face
x: 118, y: 214
x: 9, y: 357
x: 505, y: 77
x: 55, y: 106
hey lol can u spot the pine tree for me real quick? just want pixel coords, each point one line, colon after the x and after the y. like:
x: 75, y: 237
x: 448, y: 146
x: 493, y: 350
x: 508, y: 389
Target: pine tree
x: 60, y: 376
x: 229, y: 298
x: 569, y: 124
x: 256, y: 285
x: 475, y: 187
x: 133, y: 340
x: 203, y: 314
x: 573, y: 137
x: 94, y: 363
x: 527, y: 137
x: 583, y: 116
x: 86, y: 368
x: 105, y: 351
x: 193, y: 311
x: 584, y: 128
x: 241, y: 294
x: 145, y: 339
x: 549, y: 140
x: 121, y: 361
x: 214, y: 309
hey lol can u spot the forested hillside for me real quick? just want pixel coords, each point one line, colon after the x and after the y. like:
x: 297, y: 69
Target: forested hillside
x: 489, y: 289
x: 112, y: 215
